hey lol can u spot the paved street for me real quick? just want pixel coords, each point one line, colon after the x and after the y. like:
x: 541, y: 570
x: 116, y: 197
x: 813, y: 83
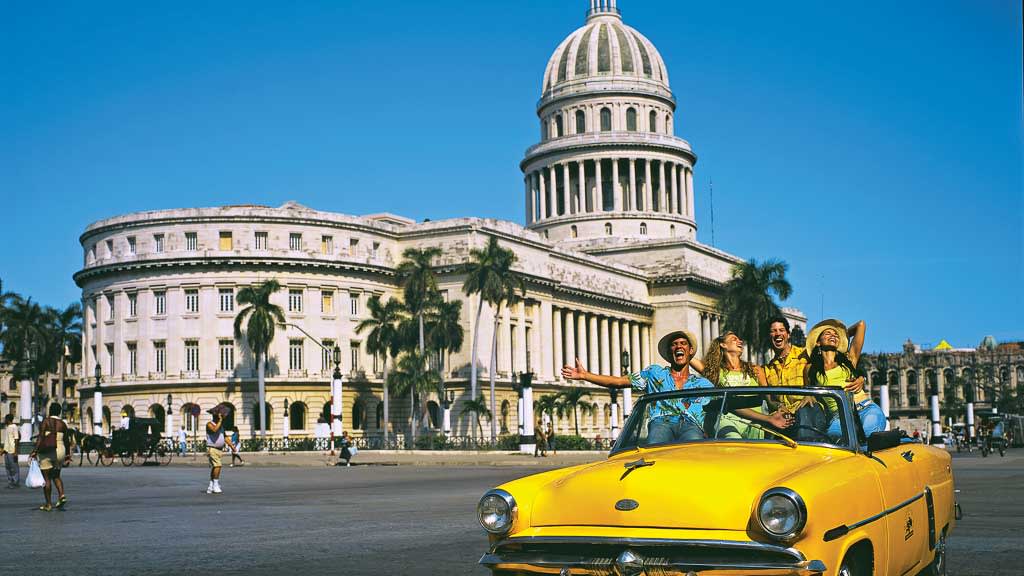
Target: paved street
x: 359, y: 520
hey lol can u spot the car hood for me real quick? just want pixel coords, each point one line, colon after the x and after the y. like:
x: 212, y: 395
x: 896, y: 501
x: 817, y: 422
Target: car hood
x: 697, y: 486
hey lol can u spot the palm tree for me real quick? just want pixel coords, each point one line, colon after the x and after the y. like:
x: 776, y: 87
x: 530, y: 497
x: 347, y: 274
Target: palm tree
x: 383, y: 338
x: 445, y: 333
x: 490, y: 274
x: 413, y: 376
x: 748, y: 304
x: 549, y: 404
x: 419, y: 285
x: 478, y: 408
x: 24, y: 337
x: 261, y: 318
x: 65, y: 327
x: 572, y: 399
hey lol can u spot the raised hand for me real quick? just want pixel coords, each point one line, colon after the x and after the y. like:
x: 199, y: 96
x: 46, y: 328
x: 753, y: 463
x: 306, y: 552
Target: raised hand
x: 577, y: 373
x: 855, y: 385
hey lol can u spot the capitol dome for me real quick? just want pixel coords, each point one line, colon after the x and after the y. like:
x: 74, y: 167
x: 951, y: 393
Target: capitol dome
x: 604, y: 49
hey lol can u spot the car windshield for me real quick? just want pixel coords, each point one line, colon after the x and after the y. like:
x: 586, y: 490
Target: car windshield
x: 801, y: 416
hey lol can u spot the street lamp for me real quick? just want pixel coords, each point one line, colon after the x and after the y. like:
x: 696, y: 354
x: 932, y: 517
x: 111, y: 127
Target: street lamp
x: 97, y: 402
x: 627, y: 396
x: 527, y: 441
x: 286, y: 424
x: 446, y: 420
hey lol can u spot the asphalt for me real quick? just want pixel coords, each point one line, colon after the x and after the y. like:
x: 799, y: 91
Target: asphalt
x: 390, y: 515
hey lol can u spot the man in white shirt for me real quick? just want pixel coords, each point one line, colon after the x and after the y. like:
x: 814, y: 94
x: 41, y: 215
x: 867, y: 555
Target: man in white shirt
x: 182, y: 440
x: 9, y: 448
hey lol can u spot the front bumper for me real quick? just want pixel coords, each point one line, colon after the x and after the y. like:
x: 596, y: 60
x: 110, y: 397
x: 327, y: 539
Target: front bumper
x: 638, y: 556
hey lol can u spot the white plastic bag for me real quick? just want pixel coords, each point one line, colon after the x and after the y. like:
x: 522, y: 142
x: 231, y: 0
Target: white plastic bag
x: 352, y: 450
x: 35, y: 475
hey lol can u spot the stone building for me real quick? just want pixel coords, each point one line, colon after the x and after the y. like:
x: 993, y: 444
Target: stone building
x: 609, y: 254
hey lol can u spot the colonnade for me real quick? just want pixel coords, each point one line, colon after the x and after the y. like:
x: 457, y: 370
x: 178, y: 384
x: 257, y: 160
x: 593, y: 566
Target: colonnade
x: 710, y: 328
x: 598, y: 341
x: 614, y: 184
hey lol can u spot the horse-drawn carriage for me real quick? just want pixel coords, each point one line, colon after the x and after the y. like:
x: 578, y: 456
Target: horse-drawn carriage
x: 140, y: 441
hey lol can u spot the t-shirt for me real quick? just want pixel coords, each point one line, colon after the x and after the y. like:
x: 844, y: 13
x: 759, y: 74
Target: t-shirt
x: 657, y: 378
x: 11, y: 435
x: 182, y: 436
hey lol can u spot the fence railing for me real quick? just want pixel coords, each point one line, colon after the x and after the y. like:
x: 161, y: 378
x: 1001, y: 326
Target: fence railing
x: 437, y: 442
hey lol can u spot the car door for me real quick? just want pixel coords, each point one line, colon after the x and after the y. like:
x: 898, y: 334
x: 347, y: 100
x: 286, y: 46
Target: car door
x: 906, y: 511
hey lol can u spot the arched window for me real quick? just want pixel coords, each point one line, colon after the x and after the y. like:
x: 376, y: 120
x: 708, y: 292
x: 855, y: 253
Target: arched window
x: 191, y: 422
x: 256, y: 425
x: 559, y: 126
x: 434, y: 413
x: 607, y: 228
x: 127, y: 411
x: 653, y: 121
x: 504, y: 416
x: 643, y: 228
x: 912, y: 392
x: 106, y: 419
x: 631, y: 119
x: 672, y: 230
x: 380, y: 415
x: 607, y: 415
x: 606, y: 120
x: 157, y: 411
x: 573, y: 232
x: 668, y: 123
x: 581, y: 122
x: 358, y: 414
x: 89, y: 422
x: 297, y: 416
x: 326, y: 412
x: 894, y: 389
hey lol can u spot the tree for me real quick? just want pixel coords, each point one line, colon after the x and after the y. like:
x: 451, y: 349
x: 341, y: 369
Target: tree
x: 549, y: 404
x: 490, y: 274
x: 65, y: 331
x: 260, y: 318
x: 748, y: 304
x: 572, y: 400
x: 412, y: 376
x: 444, y: 332
x: 797, y: 337
x: 419, y: 285
x: 383, y: 338
x: 25, y: 337
x: 477, y: 407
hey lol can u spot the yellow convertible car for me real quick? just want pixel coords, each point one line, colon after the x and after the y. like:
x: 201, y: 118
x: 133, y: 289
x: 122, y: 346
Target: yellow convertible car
x: 729, y: 494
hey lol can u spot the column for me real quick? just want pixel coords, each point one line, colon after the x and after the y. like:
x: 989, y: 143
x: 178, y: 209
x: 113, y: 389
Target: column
x: 662, y: 189
x: 543, y: 340
x: 715, y: 321
x: 581, y: 178
x: 520, y: 352
x: 581, y: 339
x: 556, y: 343
x: 504, y: 342
x: 689, y: 193
x: 637, y: 356
x: 616, y: 350
x: 680, y: 195
x: 632, y: 186
x: 592, y: 351
x: 542, y: 185
x: 606, y: 347
x: 619, y: 196
x: 904, y: 400
x: 527, y: 443
x: 566, y: 194
x: 598, y: 195
x: 529, y: 200
x: 25, y: 445
x: 705, y: 331
x: 645, y: 345
x: 670, y: 188
x: 648, y: 188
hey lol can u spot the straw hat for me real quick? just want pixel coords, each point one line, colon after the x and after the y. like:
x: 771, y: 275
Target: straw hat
x: 815, y: 333
x: 665, y: 344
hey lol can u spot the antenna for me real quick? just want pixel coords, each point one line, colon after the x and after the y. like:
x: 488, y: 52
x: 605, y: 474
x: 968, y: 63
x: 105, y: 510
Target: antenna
x: 712, y: 193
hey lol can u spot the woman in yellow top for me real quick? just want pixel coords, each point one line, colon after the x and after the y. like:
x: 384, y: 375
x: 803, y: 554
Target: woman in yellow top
x: 833, y: 361
x: 724, y: 366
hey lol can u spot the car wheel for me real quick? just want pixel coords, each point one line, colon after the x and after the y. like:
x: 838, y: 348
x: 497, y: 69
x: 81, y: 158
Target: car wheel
x: 854, y: 564
x: 938, y: 565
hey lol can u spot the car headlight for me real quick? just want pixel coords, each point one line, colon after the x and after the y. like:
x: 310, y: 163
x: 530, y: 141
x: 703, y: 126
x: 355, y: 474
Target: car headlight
x: 496, y: 511
x: 782, y: 513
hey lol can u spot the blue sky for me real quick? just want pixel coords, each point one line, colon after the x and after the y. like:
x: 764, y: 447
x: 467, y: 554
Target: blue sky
x: 874, y: 146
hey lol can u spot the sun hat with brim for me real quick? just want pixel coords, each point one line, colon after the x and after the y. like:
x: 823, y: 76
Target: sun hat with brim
x: 665, y: 344
x: 815, y: 333
x: 223, y: 409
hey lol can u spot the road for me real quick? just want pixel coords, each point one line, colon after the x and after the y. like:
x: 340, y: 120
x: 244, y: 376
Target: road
x: 359, y: 520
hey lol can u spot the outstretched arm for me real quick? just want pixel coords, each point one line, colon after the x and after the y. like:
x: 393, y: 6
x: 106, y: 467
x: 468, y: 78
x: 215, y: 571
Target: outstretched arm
x: 857, y: 333
x: 580, y: 373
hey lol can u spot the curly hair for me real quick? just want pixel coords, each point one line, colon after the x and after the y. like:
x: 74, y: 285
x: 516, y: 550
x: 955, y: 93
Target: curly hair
x: 714, y: 361
x: 817, y: 364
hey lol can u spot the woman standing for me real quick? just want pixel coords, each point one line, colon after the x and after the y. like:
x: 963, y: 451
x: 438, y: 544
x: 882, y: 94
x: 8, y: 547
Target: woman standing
x: 53, y: 452
x: 236, y: 447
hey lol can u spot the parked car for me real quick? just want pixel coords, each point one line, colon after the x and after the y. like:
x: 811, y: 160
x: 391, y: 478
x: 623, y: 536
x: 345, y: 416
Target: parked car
x: 775, y: 501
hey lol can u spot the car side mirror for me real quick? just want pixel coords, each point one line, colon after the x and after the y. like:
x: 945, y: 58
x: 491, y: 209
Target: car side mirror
x: 884, y: 440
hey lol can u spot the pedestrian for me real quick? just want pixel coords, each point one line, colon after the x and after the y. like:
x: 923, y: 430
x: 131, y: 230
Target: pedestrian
x: 346, y: 450
x: 53, y: 452
x: 215, y: 442
x: 182, y: 440
x: 550, y: 437
x: 540, y: 449
x: 236, y: 447
x: 9, y: 448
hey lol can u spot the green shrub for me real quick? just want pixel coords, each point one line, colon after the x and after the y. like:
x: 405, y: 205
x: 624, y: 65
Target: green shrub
x: 570, y: 443
x: 508, y: 442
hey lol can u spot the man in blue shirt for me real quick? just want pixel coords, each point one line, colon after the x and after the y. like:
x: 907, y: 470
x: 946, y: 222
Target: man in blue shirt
x: 670, y: 420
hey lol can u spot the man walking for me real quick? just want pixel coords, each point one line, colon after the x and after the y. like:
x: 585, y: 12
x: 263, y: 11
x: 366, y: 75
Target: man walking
x: 9, y: 448
x: 182, y: 441
x: 214, y: 449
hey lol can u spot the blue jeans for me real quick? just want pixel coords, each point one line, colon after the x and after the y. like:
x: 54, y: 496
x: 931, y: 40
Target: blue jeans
x: 181, y: 448
x: 872, y: 419
x: 663, y: 430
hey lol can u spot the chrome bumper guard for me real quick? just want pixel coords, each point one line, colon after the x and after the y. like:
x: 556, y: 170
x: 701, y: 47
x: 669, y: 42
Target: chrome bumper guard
x: 569, y: 556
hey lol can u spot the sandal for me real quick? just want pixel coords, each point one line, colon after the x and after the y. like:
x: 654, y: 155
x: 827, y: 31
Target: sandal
x: 61, y: 502
x: 46, y: 508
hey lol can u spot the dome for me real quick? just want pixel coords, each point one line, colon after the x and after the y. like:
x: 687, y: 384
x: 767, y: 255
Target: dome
x: 604, y: 49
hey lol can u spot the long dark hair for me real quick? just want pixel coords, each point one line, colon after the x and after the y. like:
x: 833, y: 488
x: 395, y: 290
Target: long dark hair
x: 817, y: 363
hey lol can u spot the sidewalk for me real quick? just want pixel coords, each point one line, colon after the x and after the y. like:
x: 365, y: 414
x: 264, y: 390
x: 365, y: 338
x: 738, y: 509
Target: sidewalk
x: 402, y: 458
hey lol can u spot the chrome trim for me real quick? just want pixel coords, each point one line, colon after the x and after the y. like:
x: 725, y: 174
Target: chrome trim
x: 702, y: 543
x: 842, y: 530
x: 801, y: 509
x: 513, y: 510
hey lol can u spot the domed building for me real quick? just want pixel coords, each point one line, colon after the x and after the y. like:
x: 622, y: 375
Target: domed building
x: 608, y: 251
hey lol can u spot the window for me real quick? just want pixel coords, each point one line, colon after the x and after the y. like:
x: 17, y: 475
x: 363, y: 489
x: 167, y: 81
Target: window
x: 327, y: 244
x: 608, y: 229
x: 581, y: 122
x: 326, y: 362
x: 191, y: 241
x: 668, y: 120
x: 160, y: 356
x: 559, y: 126
x: 376, y: 247
x: 653, y: 121
x: 110, y: 307
x: 110, y: 357
x: 160, y: 303
x: 353, y: 350
x: 295, y: 354
x: 631, y: 119
x: 192, y: 301
x: 192, y: 355
x: 225, y: 241
x: 158, y: 242
x: 133, y: 306
x: 131, y: 245
x: 327, y: 301
x: 643, y: 229
x: 295, y: 300
x: 227, y: 299
x: 297, y: 416
x: 133, y: 358
x: 606, y: 120
x: 110, y: 248
x: 92, y: 253
x: 353, y: 299
x: 573, y: 232
x: 295, y: 241
x: 261, y: 240
x: 672, y: 231
x: 353, y: 246
x: 227, y: 355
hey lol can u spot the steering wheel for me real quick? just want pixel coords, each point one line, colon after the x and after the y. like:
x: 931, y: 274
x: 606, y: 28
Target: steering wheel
x: 817, y: 431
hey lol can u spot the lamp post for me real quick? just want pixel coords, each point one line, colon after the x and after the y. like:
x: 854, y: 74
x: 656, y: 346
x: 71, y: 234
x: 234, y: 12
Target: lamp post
x: 933, y: 392
x: 969, y: 397
x: 169, y: 418
x: 527, y: 441
x: 627, y: 393
x: 286, y: 424
x: 25, y: 447
x: 883, y: 390
x: 336, y: 392
x: 97, y: 402
x: 446, y: 418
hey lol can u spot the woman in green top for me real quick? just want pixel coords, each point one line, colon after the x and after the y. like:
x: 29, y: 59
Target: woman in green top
x: 724, y: 366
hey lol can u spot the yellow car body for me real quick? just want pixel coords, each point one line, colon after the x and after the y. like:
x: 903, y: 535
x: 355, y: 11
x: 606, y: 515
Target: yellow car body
x: 690, y: 508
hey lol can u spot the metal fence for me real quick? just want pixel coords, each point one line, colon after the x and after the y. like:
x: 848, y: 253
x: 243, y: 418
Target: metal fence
x: 436, y: 442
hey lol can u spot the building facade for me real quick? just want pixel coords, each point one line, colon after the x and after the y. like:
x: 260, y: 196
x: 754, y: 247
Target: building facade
x: 608, y: 252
